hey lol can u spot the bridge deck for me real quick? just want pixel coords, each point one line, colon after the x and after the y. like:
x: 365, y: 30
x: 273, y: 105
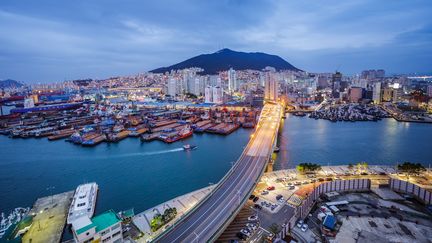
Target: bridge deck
x: 201, y: 224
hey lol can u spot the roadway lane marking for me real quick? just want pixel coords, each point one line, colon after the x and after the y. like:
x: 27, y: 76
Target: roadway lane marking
x: 242, y: 169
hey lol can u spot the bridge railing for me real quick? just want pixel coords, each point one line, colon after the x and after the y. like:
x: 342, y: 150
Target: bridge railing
x: 219, y: 184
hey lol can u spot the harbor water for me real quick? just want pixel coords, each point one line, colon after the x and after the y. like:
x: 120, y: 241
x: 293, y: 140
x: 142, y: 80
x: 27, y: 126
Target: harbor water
x: 132, y: 174
x: 386, y: 142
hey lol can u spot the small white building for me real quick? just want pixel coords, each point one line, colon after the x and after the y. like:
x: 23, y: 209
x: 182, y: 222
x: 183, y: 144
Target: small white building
x: 104, y: 228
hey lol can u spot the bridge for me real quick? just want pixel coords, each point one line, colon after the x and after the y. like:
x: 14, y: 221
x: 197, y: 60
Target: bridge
x: 207, y: 220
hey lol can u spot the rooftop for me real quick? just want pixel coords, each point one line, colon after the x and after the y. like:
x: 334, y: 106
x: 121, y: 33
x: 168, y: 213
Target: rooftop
x: 105, y: 220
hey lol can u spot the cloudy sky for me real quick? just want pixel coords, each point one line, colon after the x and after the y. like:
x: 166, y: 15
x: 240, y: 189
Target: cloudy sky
x: 45, y: 41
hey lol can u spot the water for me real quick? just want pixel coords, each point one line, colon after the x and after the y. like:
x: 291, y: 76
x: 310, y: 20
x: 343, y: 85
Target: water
x: 129, y: 173
x: 142, y: 175
x: 385, y: 142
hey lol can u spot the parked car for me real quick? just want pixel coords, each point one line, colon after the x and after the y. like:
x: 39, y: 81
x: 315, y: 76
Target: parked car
x: 245, y: 232
x: 257, y: 206
x: 252, y: 226
x: 300, y: 223
x: 255, y: 199
x: 241, y: 236
x: 253, y: 217
x: 304, y: 227
x: 264, y: 192
x: 291, y: 187
x: 279, y: 197
x: 271, y: 188
x: 252, y: 197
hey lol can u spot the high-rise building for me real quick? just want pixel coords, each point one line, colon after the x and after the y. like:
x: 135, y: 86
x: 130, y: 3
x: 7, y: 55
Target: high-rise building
x: 429, y: 90
x: 213, y: 94
x: 232, y: 80
x: 217, y: 95
x: 322, y: 82
x: 336, y: 84
x: 387, y: 94
x: 172, y: 87
x: 355, y: 94
x: 376, y: 95
x: 271, y: 87
x: 208, y: 94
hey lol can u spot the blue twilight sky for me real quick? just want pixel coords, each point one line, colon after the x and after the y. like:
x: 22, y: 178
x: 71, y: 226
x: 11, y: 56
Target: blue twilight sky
x: 44, y: 41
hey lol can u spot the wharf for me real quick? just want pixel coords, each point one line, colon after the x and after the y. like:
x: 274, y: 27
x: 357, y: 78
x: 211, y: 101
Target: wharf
x: 182, y: 204
x: 50, y: 215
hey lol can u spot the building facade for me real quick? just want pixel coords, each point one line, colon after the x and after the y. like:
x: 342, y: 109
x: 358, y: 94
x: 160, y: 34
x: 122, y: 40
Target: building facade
x: 105, y: 228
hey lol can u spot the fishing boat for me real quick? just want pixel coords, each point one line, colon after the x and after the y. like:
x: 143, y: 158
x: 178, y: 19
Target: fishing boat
x: 188, y: 147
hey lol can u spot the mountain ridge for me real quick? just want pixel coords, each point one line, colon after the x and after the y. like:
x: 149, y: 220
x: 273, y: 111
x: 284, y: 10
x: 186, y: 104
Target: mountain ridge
x: 225, y: 59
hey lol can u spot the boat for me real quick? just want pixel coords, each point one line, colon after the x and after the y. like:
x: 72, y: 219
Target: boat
x: 83, y: 202
x: 188, y: 147
x: 184, y: 133
x: 44, y: 108
x: 276, y: 149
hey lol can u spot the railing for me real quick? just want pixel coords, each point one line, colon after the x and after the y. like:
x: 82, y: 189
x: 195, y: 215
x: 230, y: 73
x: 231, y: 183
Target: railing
x: 219, y: 184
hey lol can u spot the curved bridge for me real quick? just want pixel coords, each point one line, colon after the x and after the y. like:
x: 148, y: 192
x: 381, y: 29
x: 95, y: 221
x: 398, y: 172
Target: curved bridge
x: 207, y: 220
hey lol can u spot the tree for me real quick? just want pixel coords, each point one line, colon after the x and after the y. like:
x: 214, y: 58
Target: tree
x: 411, y: 168
x: 308, y: 167
x: 361, y: 167
x: 350, y: 167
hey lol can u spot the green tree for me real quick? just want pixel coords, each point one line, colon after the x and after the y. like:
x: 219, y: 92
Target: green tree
x: 308, y: 167
x: 411, y: 168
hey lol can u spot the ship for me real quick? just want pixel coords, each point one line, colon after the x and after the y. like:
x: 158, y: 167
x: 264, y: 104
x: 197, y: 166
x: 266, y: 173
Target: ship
x: 183, y: 133
x: 43, y: 108
x: 94, y: 140
x: 83, y: 202
x: 188, y: 147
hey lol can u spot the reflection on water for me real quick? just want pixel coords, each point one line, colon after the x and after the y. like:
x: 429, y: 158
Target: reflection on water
x: 384, y: 142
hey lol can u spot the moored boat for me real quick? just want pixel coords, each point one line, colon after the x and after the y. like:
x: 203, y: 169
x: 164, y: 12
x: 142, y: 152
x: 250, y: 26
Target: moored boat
x: 83, y: 202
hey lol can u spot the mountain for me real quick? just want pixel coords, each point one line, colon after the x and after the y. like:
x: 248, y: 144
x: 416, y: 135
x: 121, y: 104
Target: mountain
x: 9, y: 83
x: 225, y: 59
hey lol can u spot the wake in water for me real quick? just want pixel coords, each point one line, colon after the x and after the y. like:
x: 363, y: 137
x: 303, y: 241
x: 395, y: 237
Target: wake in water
x: 146, y: 153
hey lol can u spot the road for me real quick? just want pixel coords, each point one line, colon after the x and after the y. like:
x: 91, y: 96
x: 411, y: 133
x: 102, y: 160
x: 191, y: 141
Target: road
x: 210, y: 215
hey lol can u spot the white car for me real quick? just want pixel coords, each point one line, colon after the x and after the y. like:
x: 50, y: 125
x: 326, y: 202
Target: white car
x: 264, y: 192
x: 246, y: 232
x: 251, y: 226
x: 300, y: 223
x: 253, y: 218
x: 304, y: 227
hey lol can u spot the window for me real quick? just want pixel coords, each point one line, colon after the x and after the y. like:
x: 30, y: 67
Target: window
x: 106, y: 239
x: 105, y: 232
x: 81, y: 204
x: 115, y: 227
x: 116, y: 233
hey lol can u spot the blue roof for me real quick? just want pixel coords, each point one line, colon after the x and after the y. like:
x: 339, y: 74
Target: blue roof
x: 329, y: 222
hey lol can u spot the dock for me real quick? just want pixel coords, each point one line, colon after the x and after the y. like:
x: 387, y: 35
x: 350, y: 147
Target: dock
x: 49, y: 218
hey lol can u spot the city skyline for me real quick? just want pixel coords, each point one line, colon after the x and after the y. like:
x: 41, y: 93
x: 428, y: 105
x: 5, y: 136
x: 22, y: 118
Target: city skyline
x: 46, y: 42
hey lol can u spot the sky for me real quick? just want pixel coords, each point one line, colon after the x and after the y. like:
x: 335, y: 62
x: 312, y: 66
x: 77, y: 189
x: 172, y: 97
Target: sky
x: 48, y: 41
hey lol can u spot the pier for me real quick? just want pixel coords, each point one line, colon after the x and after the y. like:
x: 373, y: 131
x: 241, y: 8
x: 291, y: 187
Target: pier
x: 49, y: 218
